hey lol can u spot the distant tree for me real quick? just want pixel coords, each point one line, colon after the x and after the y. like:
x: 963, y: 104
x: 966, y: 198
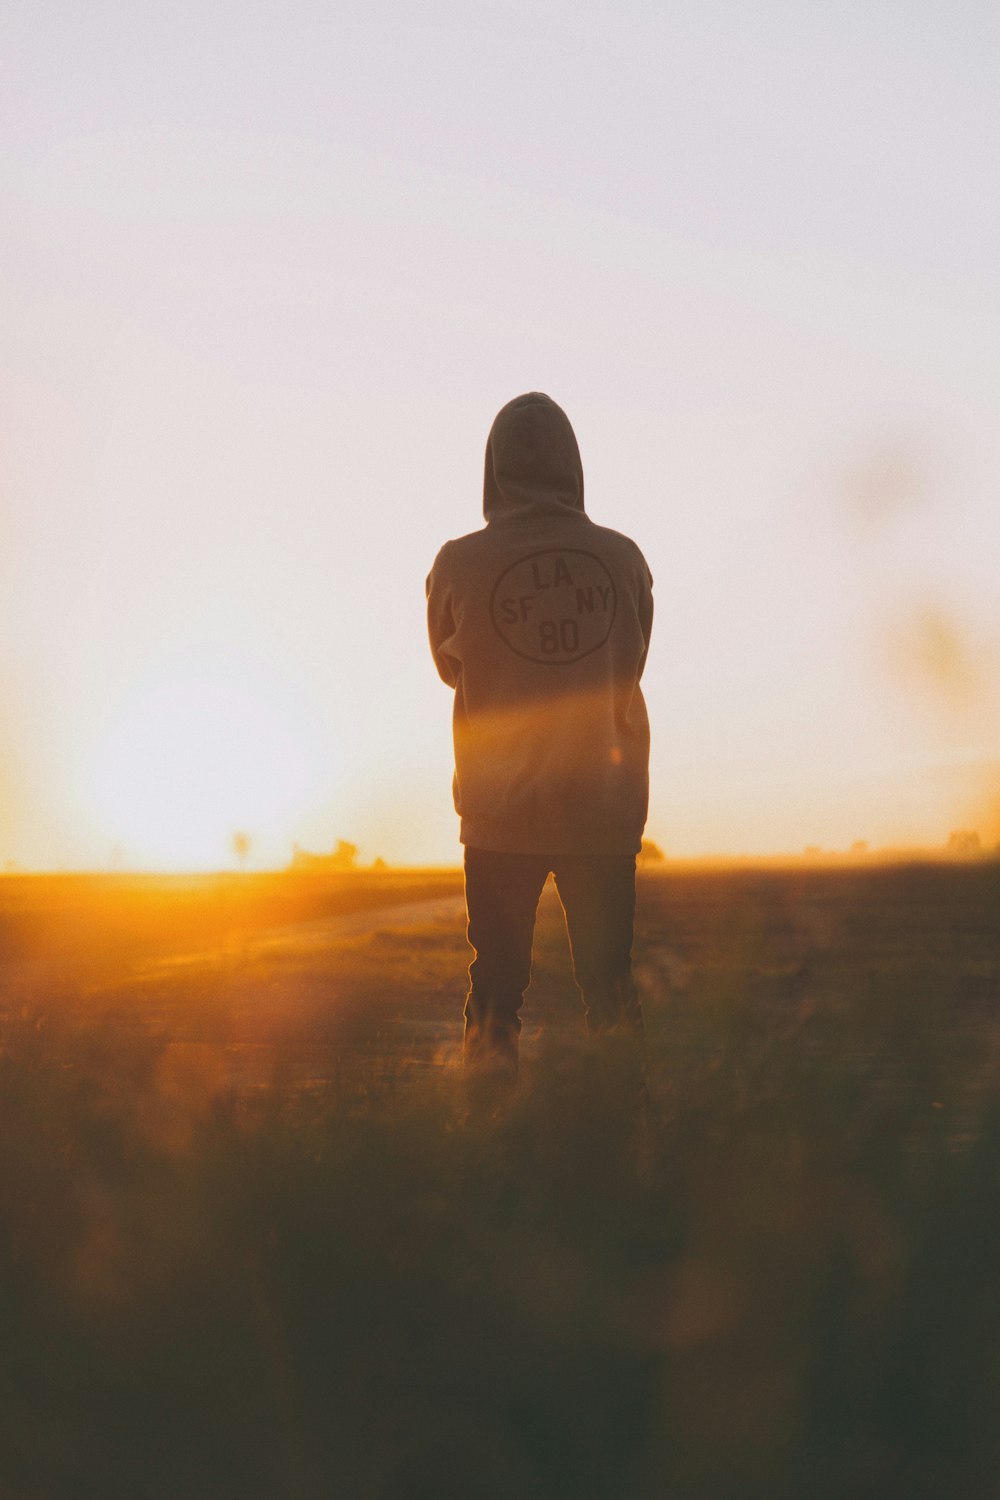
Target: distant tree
x: 380, y: 866
x: 241, y: 847
x: 964, y: 842
x: 344, y: 855
x: 342, y: 858
x: 860, y: 846
x: 650, y: 853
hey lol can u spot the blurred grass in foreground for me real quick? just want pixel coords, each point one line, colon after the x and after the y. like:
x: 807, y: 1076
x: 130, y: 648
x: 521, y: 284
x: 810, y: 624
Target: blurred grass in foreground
x: 783, y: 1283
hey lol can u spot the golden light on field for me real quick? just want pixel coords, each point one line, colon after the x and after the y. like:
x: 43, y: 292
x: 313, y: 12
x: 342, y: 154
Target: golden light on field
x: 195, y: 752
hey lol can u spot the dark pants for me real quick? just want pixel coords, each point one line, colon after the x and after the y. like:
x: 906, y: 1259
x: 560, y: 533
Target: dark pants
x: 598, y: 896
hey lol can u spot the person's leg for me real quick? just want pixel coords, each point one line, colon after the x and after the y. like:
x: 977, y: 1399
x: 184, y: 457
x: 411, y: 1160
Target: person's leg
x: 598, y: 897
x: 501, y: 894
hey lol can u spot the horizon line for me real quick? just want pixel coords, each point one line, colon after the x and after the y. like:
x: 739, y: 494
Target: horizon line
x: 890, y: 854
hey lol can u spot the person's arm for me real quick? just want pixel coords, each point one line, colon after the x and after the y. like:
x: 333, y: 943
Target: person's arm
x: 645, y: 610
x: 441, y: 625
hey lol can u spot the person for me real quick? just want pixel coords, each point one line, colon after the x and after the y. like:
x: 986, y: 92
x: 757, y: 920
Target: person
x: 540, y: 622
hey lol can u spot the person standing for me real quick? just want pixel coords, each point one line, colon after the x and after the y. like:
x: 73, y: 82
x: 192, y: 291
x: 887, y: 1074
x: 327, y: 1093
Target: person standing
x: 540, y: 621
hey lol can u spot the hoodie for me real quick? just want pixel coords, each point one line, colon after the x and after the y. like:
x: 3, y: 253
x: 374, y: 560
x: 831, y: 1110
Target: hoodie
x: 541, y: 621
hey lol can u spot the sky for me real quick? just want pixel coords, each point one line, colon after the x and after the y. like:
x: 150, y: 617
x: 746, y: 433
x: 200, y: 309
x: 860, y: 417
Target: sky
x: 268, y: 271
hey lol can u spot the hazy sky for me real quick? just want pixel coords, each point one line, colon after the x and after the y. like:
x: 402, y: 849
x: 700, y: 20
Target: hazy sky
x: 266, y: 274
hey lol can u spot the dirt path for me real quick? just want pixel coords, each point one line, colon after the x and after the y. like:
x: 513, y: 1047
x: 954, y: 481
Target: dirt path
x: 303, y: 938
x: 294, y: 939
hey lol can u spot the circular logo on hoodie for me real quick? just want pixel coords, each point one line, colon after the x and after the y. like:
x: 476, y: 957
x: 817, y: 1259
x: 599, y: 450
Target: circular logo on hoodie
x: 555, y: 606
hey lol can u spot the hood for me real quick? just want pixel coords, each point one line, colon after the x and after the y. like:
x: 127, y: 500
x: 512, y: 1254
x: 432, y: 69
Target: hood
x: 532, y: 459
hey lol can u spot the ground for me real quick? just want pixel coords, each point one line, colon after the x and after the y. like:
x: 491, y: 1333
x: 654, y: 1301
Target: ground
x: 250, y: 1247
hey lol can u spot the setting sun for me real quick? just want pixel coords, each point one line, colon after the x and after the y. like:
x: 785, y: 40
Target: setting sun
x: 196, y: 751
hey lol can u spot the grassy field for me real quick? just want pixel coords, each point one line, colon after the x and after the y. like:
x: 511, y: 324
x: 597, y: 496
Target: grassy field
x: 249, y: 1247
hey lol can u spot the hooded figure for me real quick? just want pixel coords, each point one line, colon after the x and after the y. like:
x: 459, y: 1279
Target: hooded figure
x: 541, y: 621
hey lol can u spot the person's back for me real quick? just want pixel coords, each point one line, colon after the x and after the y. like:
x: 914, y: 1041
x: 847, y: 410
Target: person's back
x: 541, y: 622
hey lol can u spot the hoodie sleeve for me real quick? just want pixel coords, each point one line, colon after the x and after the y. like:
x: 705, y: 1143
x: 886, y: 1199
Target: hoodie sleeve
x: 645, y: 609
x: 441, y: 622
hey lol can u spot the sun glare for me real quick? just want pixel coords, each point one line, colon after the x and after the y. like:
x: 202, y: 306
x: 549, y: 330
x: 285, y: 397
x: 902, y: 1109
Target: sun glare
x: 197, y: 752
